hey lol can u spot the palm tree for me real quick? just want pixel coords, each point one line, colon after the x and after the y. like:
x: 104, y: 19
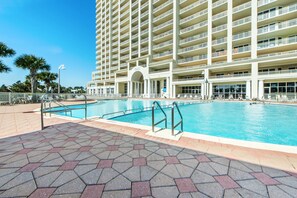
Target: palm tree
x: 48, y: 78
x: 34, y: 65
x: 5, y: 52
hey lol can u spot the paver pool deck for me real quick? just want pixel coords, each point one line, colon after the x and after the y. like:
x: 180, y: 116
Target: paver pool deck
x: 96, y: 159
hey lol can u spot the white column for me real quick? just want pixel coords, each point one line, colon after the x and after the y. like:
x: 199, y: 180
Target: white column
x: 131, y: 88
x: 210, y: 90
x: 248, y: 89
x: 175, y: 28
x: 254, y: 80
x: 168, y: 87
x: 254, y: 28
x: 145, y: 87
x: 261, y: 89
x: 229, y: 31
x: 117, y: 88
x: 149, y: 88
x: 209, y: 33
x: 202, y: 90
x: 173, y: 91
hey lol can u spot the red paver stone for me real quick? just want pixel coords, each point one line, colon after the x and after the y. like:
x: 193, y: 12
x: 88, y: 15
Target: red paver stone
x: 112, y: 148
x: 42, y: 193
x: 138, y: 146
x: 185, y: 185
x: 71, y: 139
x: 139, y: 161
x: 30, y: 167
x: 202, y: 158
x: 226, y: 182
x: 265, y: 179
x: 55, y: 150
x: 94, y: 191
x: 164, y: 146
x: 69, y: 165
x: 105, y: 164
x: 141, y: 189
x: 171, y: 160
x: 24, y: 151
x: 85, y: 148
x: 93, y: 138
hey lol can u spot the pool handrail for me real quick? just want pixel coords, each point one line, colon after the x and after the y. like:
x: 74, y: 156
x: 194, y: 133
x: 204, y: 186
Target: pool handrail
x: 116, y: 112
x: 181, y: 121
x: 65, y: 108
x: 153, y: 115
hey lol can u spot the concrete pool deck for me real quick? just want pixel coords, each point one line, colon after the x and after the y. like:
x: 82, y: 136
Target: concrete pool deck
x: 74, y: 158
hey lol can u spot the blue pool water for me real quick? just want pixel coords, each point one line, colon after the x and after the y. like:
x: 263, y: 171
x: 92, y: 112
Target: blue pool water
x: 267, y: 123
x: 109, y: 106
x: 274, y: 124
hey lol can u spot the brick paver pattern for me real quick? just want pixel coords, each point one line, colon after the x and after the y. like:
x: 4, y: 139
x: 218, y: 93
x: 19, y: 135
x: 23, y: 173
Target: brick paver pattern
x: 75, y: 160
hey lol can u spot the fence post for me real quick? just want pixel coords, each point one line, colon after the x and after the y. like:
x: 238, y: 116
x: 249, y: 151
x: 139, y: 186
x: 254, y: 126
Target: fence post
x: 9, y: 98
x: 41, y: 114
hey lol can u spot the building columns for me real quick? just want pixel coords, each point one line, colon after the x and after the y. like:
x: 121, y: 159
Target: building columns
x: 173, y: 91
x: 254, y: 80
x: 248, y: 90
x: 148, y: 88
x: 261, y: 89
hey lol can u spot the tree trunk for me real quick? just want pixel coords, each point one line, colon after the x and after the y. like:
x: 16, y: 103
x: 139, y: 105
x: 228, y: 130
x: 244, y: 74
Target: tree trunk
x: 33, y: 89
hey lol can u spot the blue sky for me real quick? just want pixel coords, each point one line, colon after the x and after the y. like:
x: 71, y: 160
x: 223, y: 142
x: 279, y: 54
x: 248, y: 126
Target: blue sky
x: 61, y: 31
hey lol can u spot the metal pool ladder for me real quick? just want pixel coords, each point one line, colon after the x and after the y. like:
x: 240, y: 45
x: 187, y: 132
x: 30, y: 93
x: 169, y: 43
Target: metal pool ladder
x: 156, y: 103
x: 181, y: 121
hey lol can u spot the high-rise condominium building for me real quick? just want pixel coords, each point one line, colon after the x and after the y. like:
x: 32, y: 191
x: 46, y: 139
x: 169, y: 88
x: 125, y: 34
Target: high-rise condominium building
x: 218, y: 48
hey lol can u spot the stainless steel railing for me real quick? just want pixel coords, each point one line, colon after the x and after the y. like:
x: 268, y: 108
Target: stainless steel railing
x: 180, y: 122
x: 156, y: 103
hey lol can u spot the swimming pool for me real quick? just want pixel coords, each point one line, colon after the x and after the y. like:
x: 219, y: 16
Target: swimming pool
x: 265, y: 123
x: 103, y: 107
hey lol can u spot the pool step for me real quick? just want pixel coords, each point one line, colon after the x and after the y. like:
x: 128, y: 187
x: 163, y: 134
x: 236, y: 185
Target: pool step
x: 166, y: 134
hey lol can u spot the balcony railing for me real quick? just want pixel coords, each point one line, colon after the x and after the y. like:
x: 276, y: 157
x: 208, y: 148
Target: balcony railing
x: 193, y: 58
x: 193, y: 27
x: 278, y: 26
x: 195, y: 47
x: 280, y: 42
x: 241, y: 35
x: 242, y: 7
x: 265, y: 2
x: 166, y: 43
x: 170, y: 32
x: 163, y: 54
x: 230, y: 76
x: 196, y: 15
x: 289, y: 71
x: 163, y: 6
x: 197, y: 3
x: 163, y: 25
x: 188, y: 79
x: 193, y: 38
x: 218, y: 3
x: 219, y: 28
x: 241, y: 49
x: 242, y: 21
x: 220, y: 15
x: 220, y: 53
x: 169, y: 12
x: 219, y: 41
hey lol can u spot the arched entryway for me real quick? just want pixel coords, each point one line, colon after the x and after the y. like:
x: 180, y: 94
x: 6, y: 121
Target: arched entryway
x: 137, y: 80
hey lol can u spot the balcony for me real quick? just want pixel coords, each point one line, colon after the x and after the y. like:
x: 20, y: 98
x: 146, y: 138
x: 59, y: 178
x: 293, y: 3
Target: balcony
x: 242, y: 21
x: 241, y: 35
x: 242, y: 7
x: 165, y: 34
x: 220, y: 15
x: 265, y: 2
x: 192, y: 6
x: 279, y: 12
x: 193, y: 27
x: 289, y: 71
x: 278, y: 43
x: 159, y: 27
x: 241, y: 49
x: 278, y: 26
x: 161, y: 45
x: 187, y: 79
x: 168, y: 13
x: 219, y: 41
x: 195, y: 47
x: 193, y: 58
x: 159, y: 8
x: 218, y: 3
x: 230, y: 76
x: 166, y: 53
x: 196, y: 15
x: 220, y: 53
x: 219, y: 28
x: 194, y: 38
